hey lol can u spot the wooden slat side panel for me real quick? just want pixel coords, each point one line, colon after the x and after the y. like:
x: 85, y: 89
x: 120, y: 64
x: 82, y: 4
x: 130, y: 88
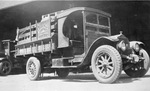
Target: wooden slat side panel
x: 34, y: 48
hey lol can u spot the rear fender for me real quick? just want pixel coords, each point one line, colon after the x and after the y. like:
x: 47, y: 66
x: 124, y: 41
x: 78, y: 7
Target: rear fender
x: 98, y: 42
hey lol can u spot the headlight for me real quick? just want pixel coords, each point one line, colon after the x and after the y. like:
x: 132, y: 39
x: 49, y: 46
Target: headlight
x: 137, y: 47
x: 122, y: 46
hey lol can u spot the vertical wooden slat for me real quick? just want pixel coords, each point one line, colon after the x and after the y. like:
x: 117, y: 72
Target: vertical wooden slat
x: 42, y: 47
x: 109, y: 26
x: 85, y: 32
x: 51, y: 37
x: 49, y: 45
x: 24, y: 50
x: 36, y: 48
x: 36, y: 30
x: 17, y: 34
x: 33, y: 49
x: 30, y: 33
x: 50, y: 24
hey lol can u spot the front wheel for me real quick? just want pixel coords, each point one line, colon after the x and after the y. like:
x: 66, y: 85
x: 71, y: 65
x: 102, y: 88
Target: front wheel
x: 106, y: 64
x: 33, y: 68
x: 139, y: 69
x: 5, y: 68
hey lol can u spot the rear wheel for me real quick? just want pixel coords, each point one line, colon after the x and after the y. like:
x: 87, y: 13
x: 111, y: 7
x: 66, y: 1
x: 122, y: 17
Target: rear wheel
x: 62, y: 73
x: 106, y: 64
x: 33, y: 68
x: 5, y: 68
x: 139, y: 69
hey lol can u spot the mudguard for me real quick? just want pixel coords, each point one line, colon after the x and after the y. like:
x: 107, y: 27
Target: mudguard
x: 2, y: 58
x: 133, y: 43
x: 105, y: 40
x: 111, y: 40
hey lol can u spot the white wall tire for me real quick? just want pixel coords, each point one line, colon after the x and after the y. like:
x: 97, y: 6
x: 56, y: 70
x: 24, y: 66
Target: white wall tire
x: 106, y: 64
x: 33, y: 68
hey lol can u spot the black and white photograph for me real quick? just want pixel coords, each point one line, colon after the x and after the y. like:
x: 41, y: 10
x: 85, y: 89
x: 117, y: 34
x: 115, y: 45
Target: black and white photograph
x: 74, y: 45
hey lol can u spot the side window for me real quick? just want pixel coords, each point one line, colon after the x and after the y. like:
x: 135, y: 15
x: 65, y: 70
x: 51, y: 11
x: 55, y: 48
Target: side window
x: 103, y: 21
x: 91, y: 18
x: 97, y: 23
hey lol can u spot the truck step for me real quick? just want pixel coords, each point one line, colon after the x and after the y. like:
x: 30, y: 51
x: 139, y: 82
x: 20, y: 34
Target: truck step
x: 64, y: 67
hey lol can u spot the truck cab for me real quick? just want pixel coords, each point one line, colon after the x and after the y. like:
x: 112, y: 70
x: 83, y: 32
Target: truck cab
x: 6, y: 46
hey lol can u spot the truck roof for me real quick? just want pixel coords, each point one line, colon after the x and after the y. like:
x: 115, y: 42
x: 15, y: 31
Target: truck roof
x: 64, y: 13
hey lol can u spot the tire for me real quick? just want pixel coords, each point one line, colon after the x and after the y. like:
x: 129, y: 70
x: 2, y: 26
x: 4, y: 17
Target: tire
x: 33, y: 68
x: 5, y: 68
x: 106, y: 64
x: 139, y: 69
x: 62, y: 73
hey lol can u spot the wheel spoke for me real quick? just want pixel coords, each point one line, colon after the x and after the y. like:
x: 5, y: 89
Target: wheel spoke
x: 138, y: 67
x: 4, y: 65
x: 31, y: 68
x: 99, y: 66
x: 103, y: 59
x: 105, y: 73
x: 110, y: 67
x: 109, y: 63
x: 109, y: 71
x: 100, y: 61
x: 108, y: 59
x: 7, y: 64
x: 3, y: 69
x: 101, y: 70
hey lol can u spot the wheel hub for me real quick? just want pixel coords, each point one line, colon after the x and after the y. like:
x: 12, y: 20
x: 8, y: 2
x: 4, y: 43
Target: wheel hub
x: 104, y: 65
x: 32, y: 69
x: 135, y: 58
x: 6, y: 68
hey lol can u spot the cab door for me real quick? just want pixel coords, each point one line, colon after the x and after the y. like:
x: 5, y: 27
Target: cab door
x: 96, y: 25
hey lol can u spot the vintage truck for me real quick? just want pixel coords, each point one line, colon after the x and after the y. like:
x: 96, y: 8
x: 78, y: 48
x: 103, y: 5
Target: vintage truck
x: 74, y: 40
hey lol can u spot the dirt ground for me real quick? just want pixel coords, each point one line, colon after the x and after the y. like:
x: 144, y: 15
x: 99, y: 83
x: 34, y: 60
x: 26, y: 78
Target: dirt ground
x: 74, y: 82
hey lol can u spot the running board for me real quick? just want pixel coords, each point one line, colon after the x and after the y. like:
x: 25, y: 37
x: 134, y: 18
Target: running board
x: 64, y: 67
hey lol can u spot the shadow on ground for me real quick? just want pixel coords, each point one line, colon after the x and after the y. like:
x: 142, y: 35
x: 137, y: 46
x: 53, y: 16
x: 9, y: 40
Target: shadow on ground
x: 72, y: 78
x: 126, y: 79
x: 81, y: 77
x: 17, y: 71
x: 90, y: 78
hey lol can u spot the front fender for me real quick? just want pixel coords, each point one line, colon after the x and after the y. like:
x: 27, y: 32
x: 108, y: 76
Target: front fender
x: 2, y: 58
x: 98, y: 42
x: 133, y: 43
x: 105, y: 40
